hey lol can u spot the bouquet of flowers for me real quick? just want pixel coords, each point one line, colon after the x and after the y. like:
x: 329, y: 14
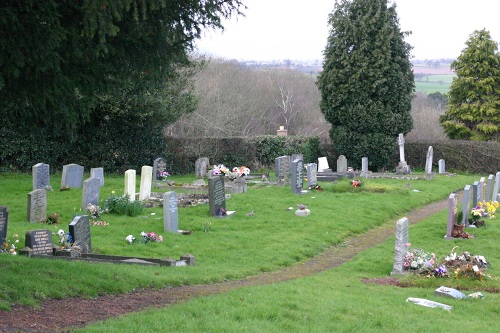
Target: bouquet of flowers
x: 145, y: 238
x: 356, y: 183
x: 65, y: 239
x: 7, y: 247
x: 164, y: 175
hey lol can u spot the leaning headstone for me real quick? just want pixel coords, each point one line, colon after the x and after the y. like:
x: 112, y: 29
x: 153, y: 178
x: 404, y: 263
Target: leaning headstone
x: 159, y: 166
x: 475, y: 194
x: 130, y: 184
x: 496, y: 187
x: 79, y: 229
x: 489, y: 188
x: 428, y: 163
x: 37, y: 206
x: 201, y: 167
x: 323, y: 164
x: 72, y: 176
x: 442, y: 166
x: 282, y: 168
x: 312, y: 175
x: 341, y: 164
x: 146, y: 181
x: 170, y: 213
x: 90, y: 192
x: 400, y: 246
x: 297, y: 180
x: 39, y: 241
x: 4, y: 221
x: 466, y: 205
x: 41, y: 176
x: 452, y: 215
x: 98, y: 173
x: 216, y: 196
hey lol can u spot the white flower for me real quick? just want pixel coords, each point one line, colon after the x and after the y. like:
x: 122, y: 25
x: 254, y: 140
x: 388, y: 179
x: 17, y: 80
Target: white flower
x: 130, y: 239
x: 143, y: 234
x: 414, y: 264
x: 60, y: 232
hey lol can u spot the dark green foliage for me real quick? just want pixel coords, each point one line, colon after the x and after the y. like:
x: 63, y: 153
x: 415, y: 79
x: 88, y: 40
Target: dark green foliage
x: 440, y: 100
x: 121, y: 205
x: 367, y: 81
x: 474, y: 99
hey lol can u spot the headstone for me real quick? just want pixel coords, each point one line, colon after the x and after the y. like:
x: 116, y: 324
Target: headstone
x: 401, y: 143
x: 72, y: 176
x: 428, y: 162
x: 170, y: 213
x: 296, y: 157
x: 489, y: 188
x: 452, y: 214
x: 146, y: 181
x: 441, y: 166
x: 282, y: 168
x: 201, y: 167
x: 216, y: 196
x: 323, y: 164
x: 4, y: 221
x: 312, y: 175
x: 364, y: 164
x: 41, y: 176
x: 466, y: 205
x: 496, y: 187
x: 79, y: 229
x: 90, y: 193
x: 400, y: 246
x: 97, y: 173
x: 341, y: 164
x: 449, y: 292
x: 39, y: 241
x: 159, y: 165
x: 482, y: 189
x: 130, y: 184
x: 475, y: 194
x: 37, y: 206
x: 297, y: 180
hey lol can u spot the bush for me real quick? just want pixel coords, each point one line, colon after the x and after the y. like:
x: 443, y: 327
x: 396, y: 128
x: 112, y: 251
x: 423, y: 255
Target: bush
x: 121, y: 205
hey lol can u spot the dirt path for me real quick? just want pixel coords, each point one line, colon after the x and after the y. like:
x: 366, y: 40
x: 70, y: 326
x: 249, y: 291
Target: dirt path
x: 62, y: 315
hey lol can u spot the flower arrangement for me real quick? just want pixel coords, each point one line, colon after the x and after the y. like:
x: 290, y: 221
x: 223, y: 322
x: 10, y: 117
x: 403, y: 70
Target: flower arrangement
x: 65, y: 239
x: 95, y: 213
x: 221, y: 169
x: 164, y: 175
x: 10, y: 246
x: 416, y: 259
x: 145, y: 238
x: 356, y: 183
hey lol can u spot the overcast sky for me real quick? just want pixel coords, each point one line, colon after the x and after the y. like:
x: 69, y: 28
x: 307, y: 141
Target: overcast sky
x: 298, y: 29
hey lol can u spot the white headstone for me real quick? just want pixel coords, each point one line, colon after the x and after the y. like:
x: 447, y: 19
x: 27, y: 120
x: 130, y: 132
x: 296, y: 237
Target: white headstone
x: 401, y: 143
x: 441, y: 165
x: 428, y: 161
x: 130, y: 184
x: 146, y: 180
x: 322, y: 164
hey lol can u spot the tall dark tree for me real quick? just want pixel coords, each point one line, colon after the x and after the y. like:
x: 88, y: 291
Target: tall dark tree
x: 474, y: 99
x: 367, y: 81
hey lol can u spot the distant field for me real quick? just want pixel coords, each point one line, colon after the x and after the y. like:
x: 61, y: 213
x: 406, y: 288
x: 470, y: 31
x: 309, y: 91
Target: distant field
x: 433, y: 79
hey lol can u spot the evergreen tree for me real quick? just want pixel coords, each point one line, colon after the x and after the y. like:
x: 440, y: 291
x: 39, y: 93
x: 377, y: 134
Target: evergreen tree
x: 474, y: 99
x: 367, y: 81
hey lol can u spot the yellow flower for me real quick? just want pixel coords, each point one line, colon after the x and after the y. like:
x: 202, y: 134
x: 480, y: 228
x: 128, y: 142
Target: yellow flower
x: 112, y: 192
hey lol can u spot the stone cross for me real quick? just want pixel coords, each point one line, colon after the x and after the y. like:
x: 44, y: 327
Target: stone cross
x: 401, y: 143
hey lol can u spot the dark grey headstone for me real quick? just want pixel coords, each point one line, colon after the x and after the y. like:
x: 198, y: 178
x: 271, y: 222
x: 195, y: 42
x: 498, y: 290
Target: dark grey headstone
x: 39, y: 241
x: 4, y: 221
x: 216, y: 196
x: 37, y: 206
x: 79, y: 229
x: 312, y: 174
x: 41, y: 176
x: 72, y: 176
x: 297, y: 180
x: 400, y: 246
x: 159, y: 165
x: 452, y: 214
x: 97, y: 173
x: 170, y: 213
x: 90, y: 193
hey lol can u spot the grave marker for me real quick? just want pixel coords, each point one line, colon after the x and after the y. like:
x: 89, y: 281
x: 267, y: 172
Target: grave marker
x: 130, y: 184
x: 40, y: 242
x: 402, y: 167
x: 482, y: 189
x: 90, y: 192
x: 37, y: 206
x: 216, y: 196
x: 98, y: 173
x: 489, y: 188
x: 475, y: 193
x: 297, y: 182
x: 496, y: 187
x: 341, y: 164
x: 441, y: 166
x: 312, y: 175
x: 146, y: 181
x: 79, y: 229
x: 282, y: 168
x: 201, y: 167
x: 159, y: 166
x: 170, y: 213
x: 323, y: 164
x: 72, y: 176
x: 466, y: 205
x: 4, y: 221
x: 41, y: 176
x: 400, y: 246
x: 452, y: 214
x: 428, y: 162
x: 296, y: 157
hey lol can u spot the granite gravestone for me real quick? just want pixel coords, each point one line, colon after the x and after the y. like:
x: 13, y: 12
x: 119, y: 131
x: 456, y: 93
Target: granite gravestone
x: 201, y: 167
x: 217, y: 196
x: 41, y: 176
x: 146, y: 181
x: 170, y: 213
x: 296, y: 157
x: 91, y: 191
x: 452, y: 215
x: 297, y: 180
x: 37, y: 206
x: 79, y: 229
x: 441, y: 166
x: 341, y: 164
x: 97, y: 173
x: 312, y: 175
x: 482, y: 189
x: 130, y: 184
x: 496, y: 187
x: 428, y: 162
x: 159, y: 166
x: 466, y: 205
x: 489, y: 188
x: 475, y: 194
x: 72, y: 176
x: 4, y: 221
x: 39, y: 241
x: 282, y: 168
x: 400, y: 246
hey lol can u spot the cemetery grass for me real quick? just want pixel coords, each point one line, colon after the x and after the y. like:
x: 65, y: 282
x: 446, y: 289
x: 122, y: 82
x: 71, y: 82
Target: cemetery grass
x: 235, y: 247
